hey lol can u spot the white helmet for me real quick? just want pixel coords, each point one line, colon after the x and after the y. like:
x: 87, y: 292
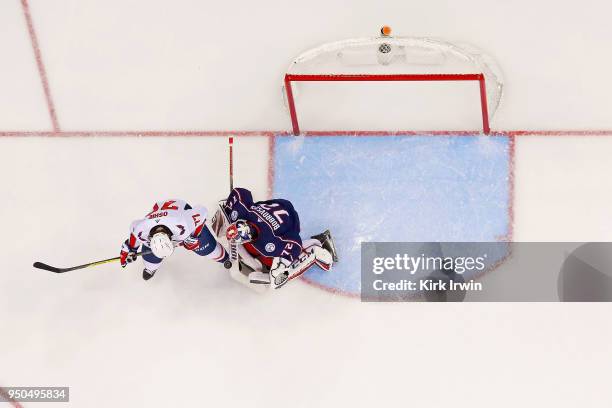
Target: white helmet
x: 161, y: 244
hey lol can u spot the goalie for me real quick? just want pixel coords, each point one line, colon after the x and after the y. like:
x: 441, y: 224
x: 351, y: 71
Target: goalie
x: 266, y: 235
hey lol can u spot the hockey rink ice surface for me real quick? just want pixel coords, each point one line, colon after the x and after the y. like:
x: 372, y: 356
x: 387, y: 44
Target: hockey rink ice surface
x: 106, y: 107
x: 192, y: 328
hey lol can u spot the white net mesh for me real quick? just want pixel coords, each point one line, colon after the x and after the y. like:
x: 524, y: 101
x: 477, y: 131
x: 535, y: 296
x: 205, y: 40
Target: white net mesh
x: 400, y: 55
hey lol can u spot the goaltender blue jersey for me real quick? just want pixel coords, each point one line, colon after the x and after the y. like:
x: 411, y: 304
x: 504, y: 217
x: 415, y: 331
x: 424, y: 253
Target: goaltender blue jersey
x: 276, y: 221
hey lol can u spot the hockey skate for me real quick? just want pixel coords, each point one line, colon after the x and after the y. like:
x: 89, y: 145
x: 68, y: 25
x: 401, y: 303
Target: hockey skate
x: 327, y: 242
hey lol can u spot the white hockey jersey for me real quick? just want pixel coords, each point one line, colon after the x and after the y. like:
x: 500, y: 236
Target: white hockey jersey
x: 180, y: 217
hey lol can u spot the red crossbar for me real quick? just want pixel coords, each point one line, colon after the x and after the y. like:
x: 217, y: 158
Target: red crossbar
x: 384, y: 77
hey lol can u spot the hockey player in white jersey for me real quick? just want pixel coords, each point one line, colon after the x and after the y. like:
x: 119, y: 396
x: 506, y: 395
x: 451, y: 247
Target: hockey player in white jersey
x: 169, y: 224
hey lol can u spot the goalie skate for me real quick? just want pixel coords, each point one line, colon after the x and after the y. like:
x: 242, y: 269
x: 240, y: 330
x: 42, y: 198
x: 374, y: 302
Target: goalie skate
x: 328, y: 243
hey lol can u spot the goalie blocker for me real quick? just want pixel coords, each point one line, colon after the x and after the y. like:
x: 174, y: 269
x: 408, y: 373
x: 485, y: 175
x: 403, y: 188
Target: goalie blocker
x: 267, y: 242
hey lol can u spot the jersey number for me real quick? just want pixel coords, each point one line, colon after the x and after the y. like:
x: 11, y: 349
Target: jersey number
x: 168, y: 205
x: 277, y: 214
x: 287, y: 249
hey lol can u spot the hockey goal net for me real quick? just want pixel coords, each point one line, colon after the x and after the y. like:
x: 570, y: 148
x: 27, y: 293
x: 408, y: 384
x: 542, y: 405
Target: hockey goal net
x: 397, y: 61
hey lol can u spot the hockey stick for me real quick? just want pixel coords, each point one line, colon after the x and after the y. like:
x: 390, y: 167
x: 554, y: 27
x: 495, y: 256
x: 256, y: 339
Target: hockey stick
x: 231, y: 163
x: 55, y: 269
x: 233, y: 249
x: 236, y: 271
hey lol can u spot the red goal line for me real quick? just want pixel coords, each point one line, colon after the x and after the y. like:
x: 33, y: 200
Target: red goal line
x: 385, y: 77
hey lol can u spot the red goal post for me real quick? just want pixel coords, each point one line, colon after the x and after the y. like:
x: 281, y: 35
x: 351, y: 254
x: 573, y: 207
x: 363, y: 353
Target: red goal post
x: 289, y: 78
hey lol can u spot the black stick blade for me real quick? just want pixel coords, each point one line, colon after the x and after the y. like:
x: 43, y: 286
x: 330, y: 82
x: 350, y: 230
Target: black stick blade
x: 46, y: 267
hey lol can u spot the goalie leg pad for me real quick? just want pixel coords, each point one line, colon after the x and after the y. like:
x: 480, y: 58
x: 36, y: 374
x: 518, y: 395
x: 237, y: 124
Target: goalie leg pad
x: 323, y: 258
x: 219, y: 224
x: 249, y: 259
x: 219, y: 221
x: 309, y: 257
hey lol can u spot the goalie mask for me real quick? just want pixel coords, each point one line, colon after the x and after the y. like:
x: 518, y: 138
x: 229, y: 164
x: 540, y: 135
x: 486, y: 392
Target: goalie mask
x: 240, y: 232
x: 160, y: 242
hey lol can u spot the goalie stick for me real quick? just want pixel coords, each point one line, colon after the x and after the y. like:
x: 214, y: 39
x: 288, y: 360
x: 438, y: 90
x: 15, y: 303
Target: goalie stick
x: 232, y: 245
x: 239, y: 270
x: 55, y: 269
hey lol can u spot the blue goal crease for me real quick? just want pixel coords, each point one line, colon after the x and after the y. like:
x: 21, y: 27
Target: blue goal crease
x: 393, y: 188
